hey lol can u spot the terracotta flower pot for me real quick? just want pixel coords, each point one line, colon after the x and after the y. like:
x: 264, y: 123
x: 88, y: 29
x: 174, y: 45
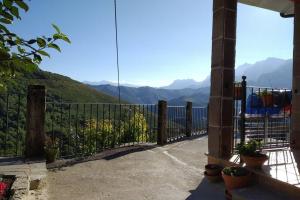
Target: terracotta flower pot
x: 255, y: 161
x: 238, y: 92
x: 267, y: 100
x: 213, y: 170
x: 234, y: 182
x: 213, y: 178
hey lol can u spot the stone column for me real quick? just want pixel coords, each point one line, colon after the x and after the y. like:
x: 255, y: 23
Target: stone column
x: 162, y: 123
x: 189, y: 118
x: 295, y: 134
x: 220, y: 134
x: 35, y: 121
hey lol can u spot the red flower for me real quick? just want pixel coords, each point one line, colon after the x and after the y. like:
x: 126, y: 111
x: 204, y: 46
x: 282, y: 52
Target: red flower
x: 3, y: 187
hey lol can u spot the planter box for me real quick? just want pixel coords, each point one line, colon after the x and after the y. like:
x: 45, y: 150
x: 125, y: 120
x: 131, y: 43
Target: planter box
x: 238, y: 92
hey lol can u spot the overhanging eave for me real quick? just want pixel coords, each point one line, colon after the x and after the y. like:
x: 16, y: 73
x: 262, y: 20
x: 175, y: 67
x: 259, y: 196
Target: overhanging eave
x: 282, y: 6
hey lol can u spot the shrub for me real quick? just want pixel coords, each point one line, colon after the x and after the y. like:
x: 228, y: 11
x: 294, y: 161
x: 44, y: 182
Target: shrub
x: 235, y: 171
x: 252, y: 148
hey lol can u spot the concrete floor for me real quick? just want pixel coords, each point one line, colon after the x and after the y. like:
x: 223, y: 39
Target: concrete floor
x: 172, y: 172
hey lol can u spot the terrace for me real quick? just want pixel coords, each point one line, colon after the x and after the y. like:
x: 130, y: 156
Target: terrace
x: 281, y: 133
x: 87, y: 130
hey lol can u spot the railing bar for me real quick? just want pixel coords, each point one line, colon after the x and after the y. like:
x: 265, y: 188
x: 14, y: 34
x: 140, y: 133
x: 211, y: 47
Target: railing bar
x: 18, y: 138
x: 83, y: 130
x: 147, y: 124
x: 90, y: 132
x: 76, y: 130
x: 151, y: 124
x: 143, y: 134
x: 61, y: 131
x: 88, y: 103
x: 155, y: 121
x: 139, y: 112
x: 69, y: 134
x: 109, y: 119
x: 97, y: 128
x: 114, y: 124
x: 7, y: 124
x: 134, y: 128
x: 52, y: 123
x: 120, y: 111
x: 102, y: 132
x: 129, y: 125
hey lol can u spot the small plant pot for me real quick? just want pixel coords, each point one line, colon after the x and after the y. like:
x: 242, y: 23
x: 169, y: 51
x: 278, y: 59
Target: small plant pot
x: 255, y: 161
x: 238, y: 92
x: 51, y: 154
x: 267, y: 100
x: 213, y: 178
x: 234, y: 182
x: 213, y: 170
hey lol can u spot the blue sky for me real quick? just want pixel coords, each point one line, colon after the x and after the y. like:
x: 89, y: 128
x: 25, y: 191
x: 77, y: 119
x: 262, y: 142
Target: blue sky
x: 160, y: 40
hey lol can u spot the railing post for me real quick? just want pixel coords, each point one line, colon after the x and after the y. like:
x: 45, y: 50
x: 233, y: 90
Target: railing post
x: 189, y: 119
x: 35, y: 121
x: 162, y: 123
x: 243, y: 109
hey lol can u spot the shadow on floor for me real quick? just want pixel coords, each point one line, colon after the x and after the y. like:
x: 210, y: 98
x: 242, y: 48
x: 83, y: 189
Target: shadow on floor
x: 4, y: 161
x: 106, y: 155
x: 110, y: 154
x: 208, y: 191
x: 11, y: 161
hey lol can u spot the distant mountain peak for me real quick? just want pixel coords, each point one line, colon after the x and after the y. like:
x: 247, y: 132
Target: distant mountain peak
x: 254, y: 71
x: 182, y: 84
x: 94, y: 83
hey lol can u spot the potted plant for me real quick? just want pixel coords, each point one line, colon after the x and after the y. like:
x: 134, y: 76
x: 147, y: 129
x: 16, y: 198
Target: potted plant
x: 51, y: 149
x: 235, y: 177
x: 267, y: 98
x: 251, y: 154
x: 213, y: 172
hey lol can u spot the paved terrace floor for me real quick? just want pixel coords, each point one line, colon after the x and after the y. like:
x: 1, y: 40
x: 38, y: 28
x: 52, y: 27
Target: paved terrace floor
x: 173, y: 172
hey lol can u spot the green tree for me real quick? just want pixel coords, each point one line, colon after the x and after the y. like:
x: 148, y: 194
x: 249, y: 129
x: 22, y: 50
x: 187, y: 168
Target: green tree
x: 17, y: 52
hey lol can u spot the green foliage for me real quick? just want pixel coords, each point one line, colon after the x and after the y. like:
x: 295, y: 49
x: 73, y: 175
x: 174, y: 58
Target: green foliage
x: 265, y: 92
x: 250, y: 148
x: 136, y: 129
x: 59, y: 88
x: 109, y: 133
x: 235, y: 171
x: 16, y: 52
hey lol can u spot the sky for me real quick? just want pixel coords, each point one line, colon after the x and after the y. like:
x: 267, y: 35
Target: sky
x: 159, y: 40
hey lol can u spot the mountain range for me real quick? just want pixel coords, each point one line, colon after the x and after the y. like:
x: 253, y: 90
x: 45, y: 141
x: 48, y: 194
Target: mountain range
x: 59, y: 88
x: 263, y: 73
x: 149, y: 95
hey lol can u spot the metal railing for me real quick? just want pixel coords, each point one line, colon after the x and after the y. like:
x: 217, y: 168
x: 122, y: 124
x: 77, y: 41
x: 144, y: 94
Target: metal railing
x: 88, y: 128
x: 266, y: 116
x: 177, y: 122
x: 12, y: 124
x: 80, y: 129
x: 200, y: 121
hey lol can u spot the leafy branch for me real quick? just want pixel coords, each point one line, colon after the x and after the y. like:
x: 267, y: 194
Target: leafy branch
x: 16, y: 52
